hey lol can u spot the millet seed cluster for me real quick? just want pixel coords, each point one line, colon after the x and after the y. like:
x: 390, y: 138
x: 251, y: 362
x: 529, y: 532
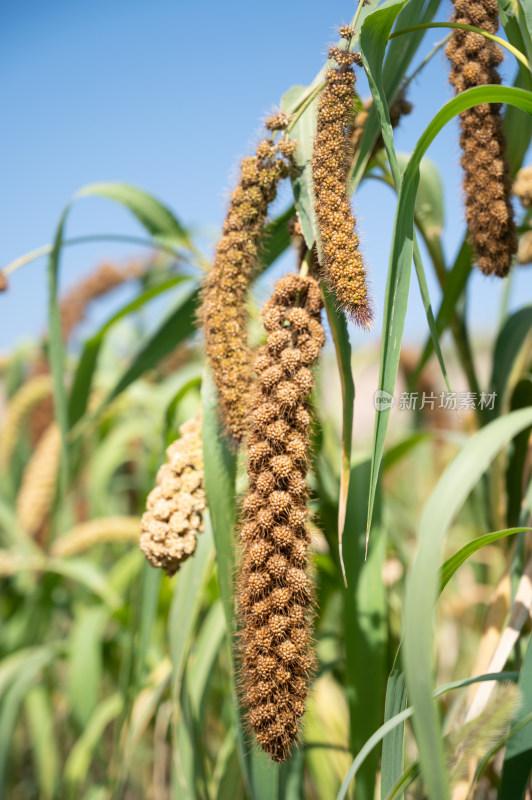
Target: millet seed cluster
x: 330, y: 165
x: 487, y: 186
x: 223, y: 311
x: 175, y: 506
x: 275, y: 592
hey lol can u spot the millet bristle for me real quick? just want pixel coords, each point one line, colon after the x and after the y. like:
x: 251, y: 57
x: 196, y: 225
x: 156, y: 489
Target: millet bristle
x: 487, y: 186
x: 275, y: 592
x: 223, y: 311
x: 174, y: 508
x: 330, y: 165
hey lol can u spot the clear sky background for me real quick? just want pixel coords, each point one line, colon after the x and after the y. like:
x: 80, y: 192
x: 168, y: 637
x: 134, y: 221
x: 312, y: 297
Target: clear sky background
x: 168, y: 96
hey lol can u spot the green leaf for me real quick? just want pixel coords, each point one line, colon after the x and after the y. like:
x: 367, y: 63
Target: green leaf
x: 151, y: 585
x: 455, y: 283
x: 57, y: 351
x: 150, y: 212
x: 402, y: 716
x: 80, y: 757
x: 398, y: 57
x: 220, y: 476
x: 206, y: 651
x: 373, y: 41
x: 517, y: 502
x: 227, y: 776
x: 465, y: 27
x: 397, y: 451
x: 40, y: 718
x: 24, y: 681
x: 184, y: 611
x: 518, y: 757
x: 85, y: 573
x: 185, y: 386
x: 429, y: 207
x: 518, y: 126
x: 85, y: 665
x: 365, y: 623
x: 303, y: 133
x: 342, y: 346
x: 516, y: 22
x: 82, y: 383
x: 422, y: 586
x: 186, y: 603
x: 291, y: 775
x: 178, y: 324
x: 143, y: 709
x: 511, y: 355
x: 524, y: 14
x: 157, y: 220
x: 403, y: 781
x: 403, y: 239
x: 276, y: 238
x: 459, y: 558
x: 392, y: 751
x: 402, y: 49
x: 393, y: 743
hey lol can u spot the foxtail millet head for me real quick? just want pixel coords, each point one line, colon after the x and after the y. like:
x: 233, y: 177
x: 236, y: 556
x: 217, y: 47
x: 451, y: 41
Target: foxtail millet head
x: 174, y: 508
x: 39, y: 482
x: 224, y: 294
x: 487, y: 186
x: 275, y: 591
x: 342, y: 259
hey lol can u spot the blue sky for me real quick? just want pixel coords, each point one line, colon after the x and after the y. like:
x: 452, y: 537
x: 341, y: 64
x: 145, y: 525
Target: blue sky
x: 169, y: 96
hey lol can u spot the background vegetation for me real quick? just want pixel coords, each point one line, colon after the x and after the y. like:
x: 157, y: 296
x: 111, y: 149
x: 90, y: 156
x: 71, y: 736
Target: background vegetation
x: 117, y: 682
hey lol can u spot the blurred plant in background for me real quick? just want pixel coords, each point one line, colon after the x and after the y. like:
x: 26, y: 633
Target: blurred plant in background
x: 117, y: 681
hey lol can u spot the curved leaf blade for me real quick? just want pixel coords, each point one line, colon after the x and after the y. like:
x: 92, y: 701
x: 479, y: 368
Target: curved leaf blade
x: 422, y: 587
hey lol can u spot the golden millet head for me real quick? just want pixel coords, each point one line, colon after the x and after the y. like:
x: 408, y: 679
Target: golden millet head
x: 275, y: 593
x: 224, y: 294
x: 342, y: 260
x: 37, y: 491
x: 174, y: 508
x: 487, y: 186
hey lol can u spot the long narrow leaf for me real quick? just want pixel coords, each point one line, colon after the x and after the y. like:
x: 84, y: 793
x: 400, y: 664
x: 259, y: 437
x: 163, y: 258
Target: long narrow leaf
x: 403, y: 245
x: 401, y: 718
x: 518, y: 756
x: 342, y: 347
x: 422, y: 587
x: 459, y: 558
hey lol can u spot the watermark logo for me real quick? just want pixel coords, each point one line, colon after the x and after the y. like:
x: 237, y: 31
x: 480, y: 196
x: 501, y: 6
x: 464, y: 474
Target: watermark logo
x: 446, y: 401
x: 383, y: 400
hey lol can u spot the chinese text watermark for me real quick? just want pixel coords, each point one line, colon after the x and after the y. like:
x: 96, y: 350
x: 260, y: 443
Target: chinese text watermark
x: 447, y: 401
